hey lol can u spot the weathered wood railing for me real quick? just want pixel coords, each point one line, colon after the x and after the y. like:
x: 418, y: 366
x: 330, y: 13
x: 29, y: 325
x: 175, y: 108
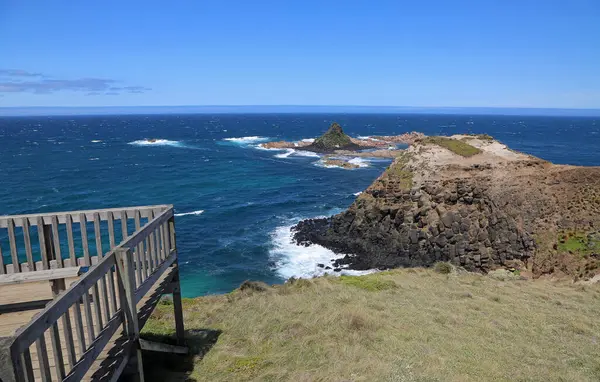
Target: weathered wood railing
x: 65, y: 339
x: 44, y: 247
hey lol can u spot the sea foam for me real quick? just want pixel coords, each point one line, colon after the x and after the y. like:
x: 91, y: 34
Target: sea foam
x: 360, y: 162
x: 286, y: 154
x: 246, y: 140
x: 156, y: 142
x: 199, y: 212
x: 292, y: 260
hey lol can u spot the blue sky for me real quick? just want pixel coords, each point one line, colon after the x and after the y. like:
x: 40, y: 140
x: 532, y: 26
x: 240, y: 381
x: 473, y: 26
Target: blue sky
x: 428, y: 53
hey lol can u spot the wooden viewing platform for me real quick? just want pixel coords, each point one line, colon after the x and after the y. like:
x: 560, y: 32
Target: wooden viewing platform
x: 73, y: 301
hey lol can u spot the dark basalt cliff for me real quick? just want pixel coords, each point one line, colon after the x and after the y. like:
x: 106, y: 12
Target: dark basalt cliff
x: 496, y: 208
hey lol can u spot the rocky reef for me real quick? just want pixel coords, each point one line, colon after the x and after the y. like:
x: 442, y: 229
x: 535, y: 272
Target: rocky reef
x: 474, y: 202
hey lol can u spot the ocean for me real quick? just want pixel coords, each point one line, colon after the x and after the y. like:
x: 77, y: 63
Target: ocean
x: 235, y: 202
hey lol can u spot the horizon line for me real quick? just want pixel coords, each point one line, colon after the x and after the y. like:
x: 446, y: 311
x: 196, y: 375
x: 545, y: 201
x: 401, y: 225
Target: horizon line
x: 41, y: 111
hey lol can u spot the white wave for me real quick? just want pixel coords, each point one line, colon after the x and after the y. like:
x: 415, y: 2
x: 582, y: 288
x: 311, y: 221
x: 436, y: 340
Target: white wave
x: 156, y: 142
x: 286, y: 154
x: 246, y: 140
x: 95, y: 141
x: 357, y: 193
x: 293, y: 260
x: 308, y: 140
x: 360, y: 162
x: 304, y: 153
x: 199, y: 212
x: 94, y: 158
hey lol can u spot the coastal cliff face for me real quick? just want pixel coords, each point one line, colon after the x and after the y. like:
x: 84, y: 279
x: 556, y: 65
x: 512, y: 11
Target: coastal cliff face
x: 471, y: 201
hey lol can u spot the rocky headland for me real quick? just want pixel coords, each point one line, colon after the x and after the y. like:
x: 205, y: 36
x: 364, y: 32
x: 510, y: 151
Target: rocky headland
x: 472, y: 201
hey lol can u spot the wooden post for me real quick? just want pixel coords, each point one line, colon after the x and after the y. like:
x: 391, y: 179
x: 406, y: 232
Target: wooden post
x: 179, y: 327
x: 126, y: 278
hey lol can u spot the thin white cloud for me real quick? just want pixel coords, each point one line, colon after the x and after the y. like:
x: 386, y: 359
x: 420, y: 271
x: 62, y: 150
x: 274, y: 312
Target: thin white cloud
x: 13, y: 81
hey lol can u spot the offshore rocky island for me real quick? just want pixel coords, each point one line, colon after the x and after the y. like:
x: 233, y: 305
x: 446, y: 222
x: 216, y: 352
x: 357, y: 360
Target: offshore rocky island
x: 465, y: 199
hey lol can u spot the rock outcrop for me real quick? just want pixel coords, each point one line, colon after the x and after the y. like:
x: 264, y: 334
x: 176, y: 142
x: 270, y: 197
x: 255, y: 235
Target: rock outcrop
x: 334, y: 139
x: 472, y: 202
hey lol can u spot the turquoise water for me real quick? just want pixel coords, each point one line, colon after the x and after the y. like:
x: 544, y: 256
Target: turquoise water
x: 234, y: 202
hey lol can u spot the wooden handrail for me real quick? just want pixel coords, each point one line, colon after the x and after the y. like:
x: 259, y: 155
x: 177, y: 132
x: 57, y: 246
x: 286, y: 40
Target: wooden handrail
x: 89, y: 214
x: 42, y: 249
x: 139, y: 260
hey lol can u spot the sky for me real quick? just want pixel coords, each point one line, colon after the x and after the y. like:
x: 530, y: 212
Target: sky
x: 426, y: 53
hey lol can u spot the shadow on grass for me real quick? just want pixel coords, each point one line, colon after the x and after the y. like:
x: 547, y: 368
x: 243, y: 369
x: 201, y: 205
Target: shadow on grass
x: 159, y: 366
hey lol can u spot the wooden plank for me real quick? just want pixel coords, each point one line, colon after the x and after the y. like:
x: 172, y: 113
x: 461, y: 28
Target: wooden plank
x: 27, y: 241
x: 22, y: 306
x: 27, y: 365
x: 58, y: 307
x: 13, y: 246
x: 44, y: 243
x: 84, y: 239
x: 47, y: 275
x: 89, y: 214
x: 2, y: 270
x: 68, y: 336
x: 163, y: 242
x: 124, y: 225
x: 127, y: 279
x: 172, y: 233
x: 104, y: 287
x: 111, y: 239
x: 97, y: 306
x: 163, y: 348
x: 79, y: 327
x: 96, y: 347
x: 59, y: 365
x: 57, y: 254
x: 89, y: 321
x: 152, y: 253
x: 111, y: 230
x: 40, y: 346
x: 146, y: 258
x: 178, y: 309
x: 147, y: 284
x: 138, y: 251
x: 151, y: 226
x: 69, y: 225
x: 129, y: 304
x: 98, y: 235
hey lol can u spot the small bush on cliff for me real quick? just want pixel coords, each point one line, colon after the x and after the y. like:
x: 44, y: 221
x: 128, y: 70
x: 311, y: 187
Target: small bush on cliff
x: 443, y: 267
x: 458, y: 147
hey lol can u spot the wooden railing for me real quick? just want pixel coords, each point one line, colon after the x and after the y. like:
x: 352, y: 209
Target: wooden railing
x: 66, y: 239
x: 81, y: 320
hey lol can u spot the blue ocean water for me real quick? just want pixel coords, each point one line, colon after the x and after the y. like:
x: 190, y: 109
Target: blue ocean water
x: 234, y: 201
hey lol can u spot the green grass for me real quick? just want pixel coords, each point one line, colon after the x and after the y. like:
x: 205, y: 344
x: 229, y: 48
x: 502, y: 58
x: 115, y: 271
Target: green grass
x: 399, y: 171
x: 483, y: 137
x: 426, y: 327
x: 579, y: 243
x: 371, y: 283
x: 456, y: 146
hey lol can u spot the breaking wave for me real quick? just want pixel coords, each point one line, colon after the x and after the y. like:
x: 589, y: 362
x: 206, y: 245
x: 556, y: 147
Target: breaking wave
x: 156, y: 142
x: 292, y: 260
x: 199, y: 212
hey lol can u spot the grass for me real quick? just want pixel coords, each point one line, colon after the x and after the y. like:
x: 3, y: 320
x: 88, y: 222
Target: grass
x: 399, y: 171
x: 400, y: 325
x: 579, y: 243
x: 456, y: 146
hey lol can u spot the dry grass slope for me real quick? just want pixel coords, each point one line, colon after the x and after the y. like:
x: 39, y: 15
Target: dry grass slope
x: 401, y: 325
